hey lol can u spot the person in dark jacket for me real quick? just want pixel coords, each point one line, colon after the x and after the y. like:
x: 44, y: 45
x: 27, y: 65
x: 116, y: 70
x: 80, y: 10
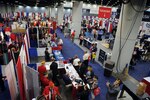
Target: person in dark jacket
x: 82, y: 70
x: 54, y: 69
x: 47, y: 57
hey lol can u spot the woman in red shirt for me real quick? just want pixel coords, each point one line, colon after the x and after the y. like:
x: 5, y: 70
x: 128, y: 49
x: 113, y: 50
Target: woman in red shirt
x: 73, y: 36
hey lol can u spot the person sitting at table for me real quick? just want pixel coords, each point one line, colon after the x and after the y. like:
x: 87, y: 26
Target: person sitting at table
x: 113, y: 90
x: 47, y: 55
x: 89, y: 73
x: 54, y: 69
x: 66, y: 79
x: 75, y: 61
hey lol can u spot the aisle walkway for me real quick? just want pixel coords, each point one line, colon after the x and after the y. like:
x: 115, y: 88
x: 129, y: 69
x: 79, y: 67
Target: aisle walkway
x: 70, y: 49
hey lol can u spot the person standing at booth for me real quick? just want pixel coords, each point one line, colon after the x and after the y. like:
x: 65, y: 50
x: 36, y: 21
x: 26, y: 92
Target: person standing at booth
x: 54, y: 69
x: 81, y: 37
x: 47, y: 55
x: 86, y: 58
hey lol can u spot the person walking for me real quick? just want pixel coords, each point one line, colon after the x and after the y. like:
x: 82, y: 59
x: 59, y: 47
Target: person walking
x: 73, y: 36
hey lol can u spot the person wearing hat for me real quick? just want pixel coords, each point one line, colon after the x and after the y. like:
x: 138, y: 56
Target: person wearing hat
x: 51, y: 92
x: 43, y: 74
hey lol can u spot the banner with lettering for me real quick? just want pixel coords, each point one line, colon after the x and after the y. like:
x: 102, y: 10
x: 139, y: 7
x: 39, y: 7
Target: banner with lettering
x: 104, y: 12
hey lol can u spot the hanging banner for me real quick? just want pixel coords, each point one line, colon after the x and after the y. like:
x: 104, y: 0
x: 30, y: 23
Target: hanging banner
x: 32, y: 82
x: 20, y: 79
x: 104, y: 12
x: 11, y: 78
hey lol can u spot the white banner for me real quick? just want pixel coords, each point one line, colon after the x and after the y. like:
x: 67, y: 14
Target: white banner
x: 32, y: 82
x: 93, y: 11
x: 11, y: 78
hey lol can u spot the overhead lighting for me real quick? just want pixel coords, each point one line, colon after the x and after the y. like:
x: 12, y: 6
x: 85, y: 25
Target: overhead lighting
x: 42, y: 8
x: 20, y: 6
x: 35, y: 7
x: 94, y: 6
x: 89, y: 5
x: 16, y: 1
x: 28, y: 7
x: 68, y: 10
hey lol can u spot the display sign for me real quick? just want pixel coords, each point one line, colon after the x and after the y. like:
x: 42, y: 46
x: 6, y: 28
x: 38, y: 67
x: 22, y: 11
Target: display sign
x: 102, y: 56
x: 146, y: 16
x: 104, y: 12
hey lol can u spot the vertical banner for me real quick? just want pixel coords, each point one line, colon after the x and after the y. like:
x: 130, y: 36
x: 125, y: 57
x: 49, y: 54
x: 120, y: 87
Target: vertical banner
x: 33, y: 82
x: 20, y: 79
x: 26, y: 49
x: 104, y: 12
x: 10, y: 74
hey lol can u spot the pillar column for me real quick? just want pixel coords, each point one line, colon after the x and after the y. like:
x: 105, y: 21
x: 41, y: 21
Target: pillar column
x: 60, y: 14
x: 127, y: 32
x: 77, y: 17
x: 48, y: 11
x: 53, y: 12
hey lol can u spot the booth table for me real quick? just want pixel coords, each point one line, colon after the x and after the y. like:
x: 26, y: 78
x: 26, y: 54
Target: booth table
x: 58, y: 55
x: 87, y: 43
x: 146, y: 80
x: 47, y: 65
x: 130, y: 85
x: 72, y: 74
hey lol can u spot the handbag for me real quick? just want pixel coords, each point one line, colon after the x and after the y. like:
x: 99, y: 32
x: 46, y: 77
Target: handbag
x: 97, y: 91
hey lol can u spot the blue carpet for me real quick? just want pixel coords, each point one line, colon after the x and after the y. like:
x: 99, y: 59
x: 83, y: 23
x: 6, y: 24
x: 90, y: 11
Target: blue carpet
x: 141, y: 70
x: 6, y: 94
x: 70, y: 49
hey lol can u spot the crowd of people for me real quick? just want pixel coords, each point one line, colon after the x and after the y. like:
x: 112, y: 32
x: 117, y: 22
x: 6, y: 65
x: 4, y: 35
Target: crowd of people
x: 9, y: 42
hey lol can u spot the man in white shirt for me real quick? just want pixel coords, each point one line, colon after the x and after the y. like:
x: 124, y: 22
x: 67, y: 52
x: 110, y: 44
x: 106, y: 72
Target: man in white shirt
x: 60, y: 41
x: 75, y: 61
x: 86, y: 58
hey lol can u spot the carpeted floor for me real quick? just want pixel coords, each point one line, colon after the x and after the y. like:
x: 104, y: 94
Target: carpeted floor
x: 70, y: 49
x: 6, y: 94
x: 141, y: 69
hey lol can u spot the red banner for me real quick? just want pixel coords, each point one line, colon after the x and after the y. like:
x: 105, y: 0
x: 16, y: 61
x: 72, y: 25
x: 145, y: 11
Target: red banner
x: 20, y: 79
x: 104, y: 12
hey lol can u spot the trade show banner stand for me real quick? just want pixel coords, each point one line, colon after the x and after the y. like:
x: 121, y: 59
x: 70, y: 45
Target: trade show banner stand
x: 11, y: 78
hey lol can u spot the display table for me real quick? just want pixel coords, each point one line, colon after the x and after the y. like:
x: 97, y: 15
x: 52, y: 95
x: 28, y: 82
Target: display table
x: 47, y: 65
x: 87, y: 43
x: 146, y: 80
x: 72, y: 73
x: 58, y: 55
x: 130, y: 85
